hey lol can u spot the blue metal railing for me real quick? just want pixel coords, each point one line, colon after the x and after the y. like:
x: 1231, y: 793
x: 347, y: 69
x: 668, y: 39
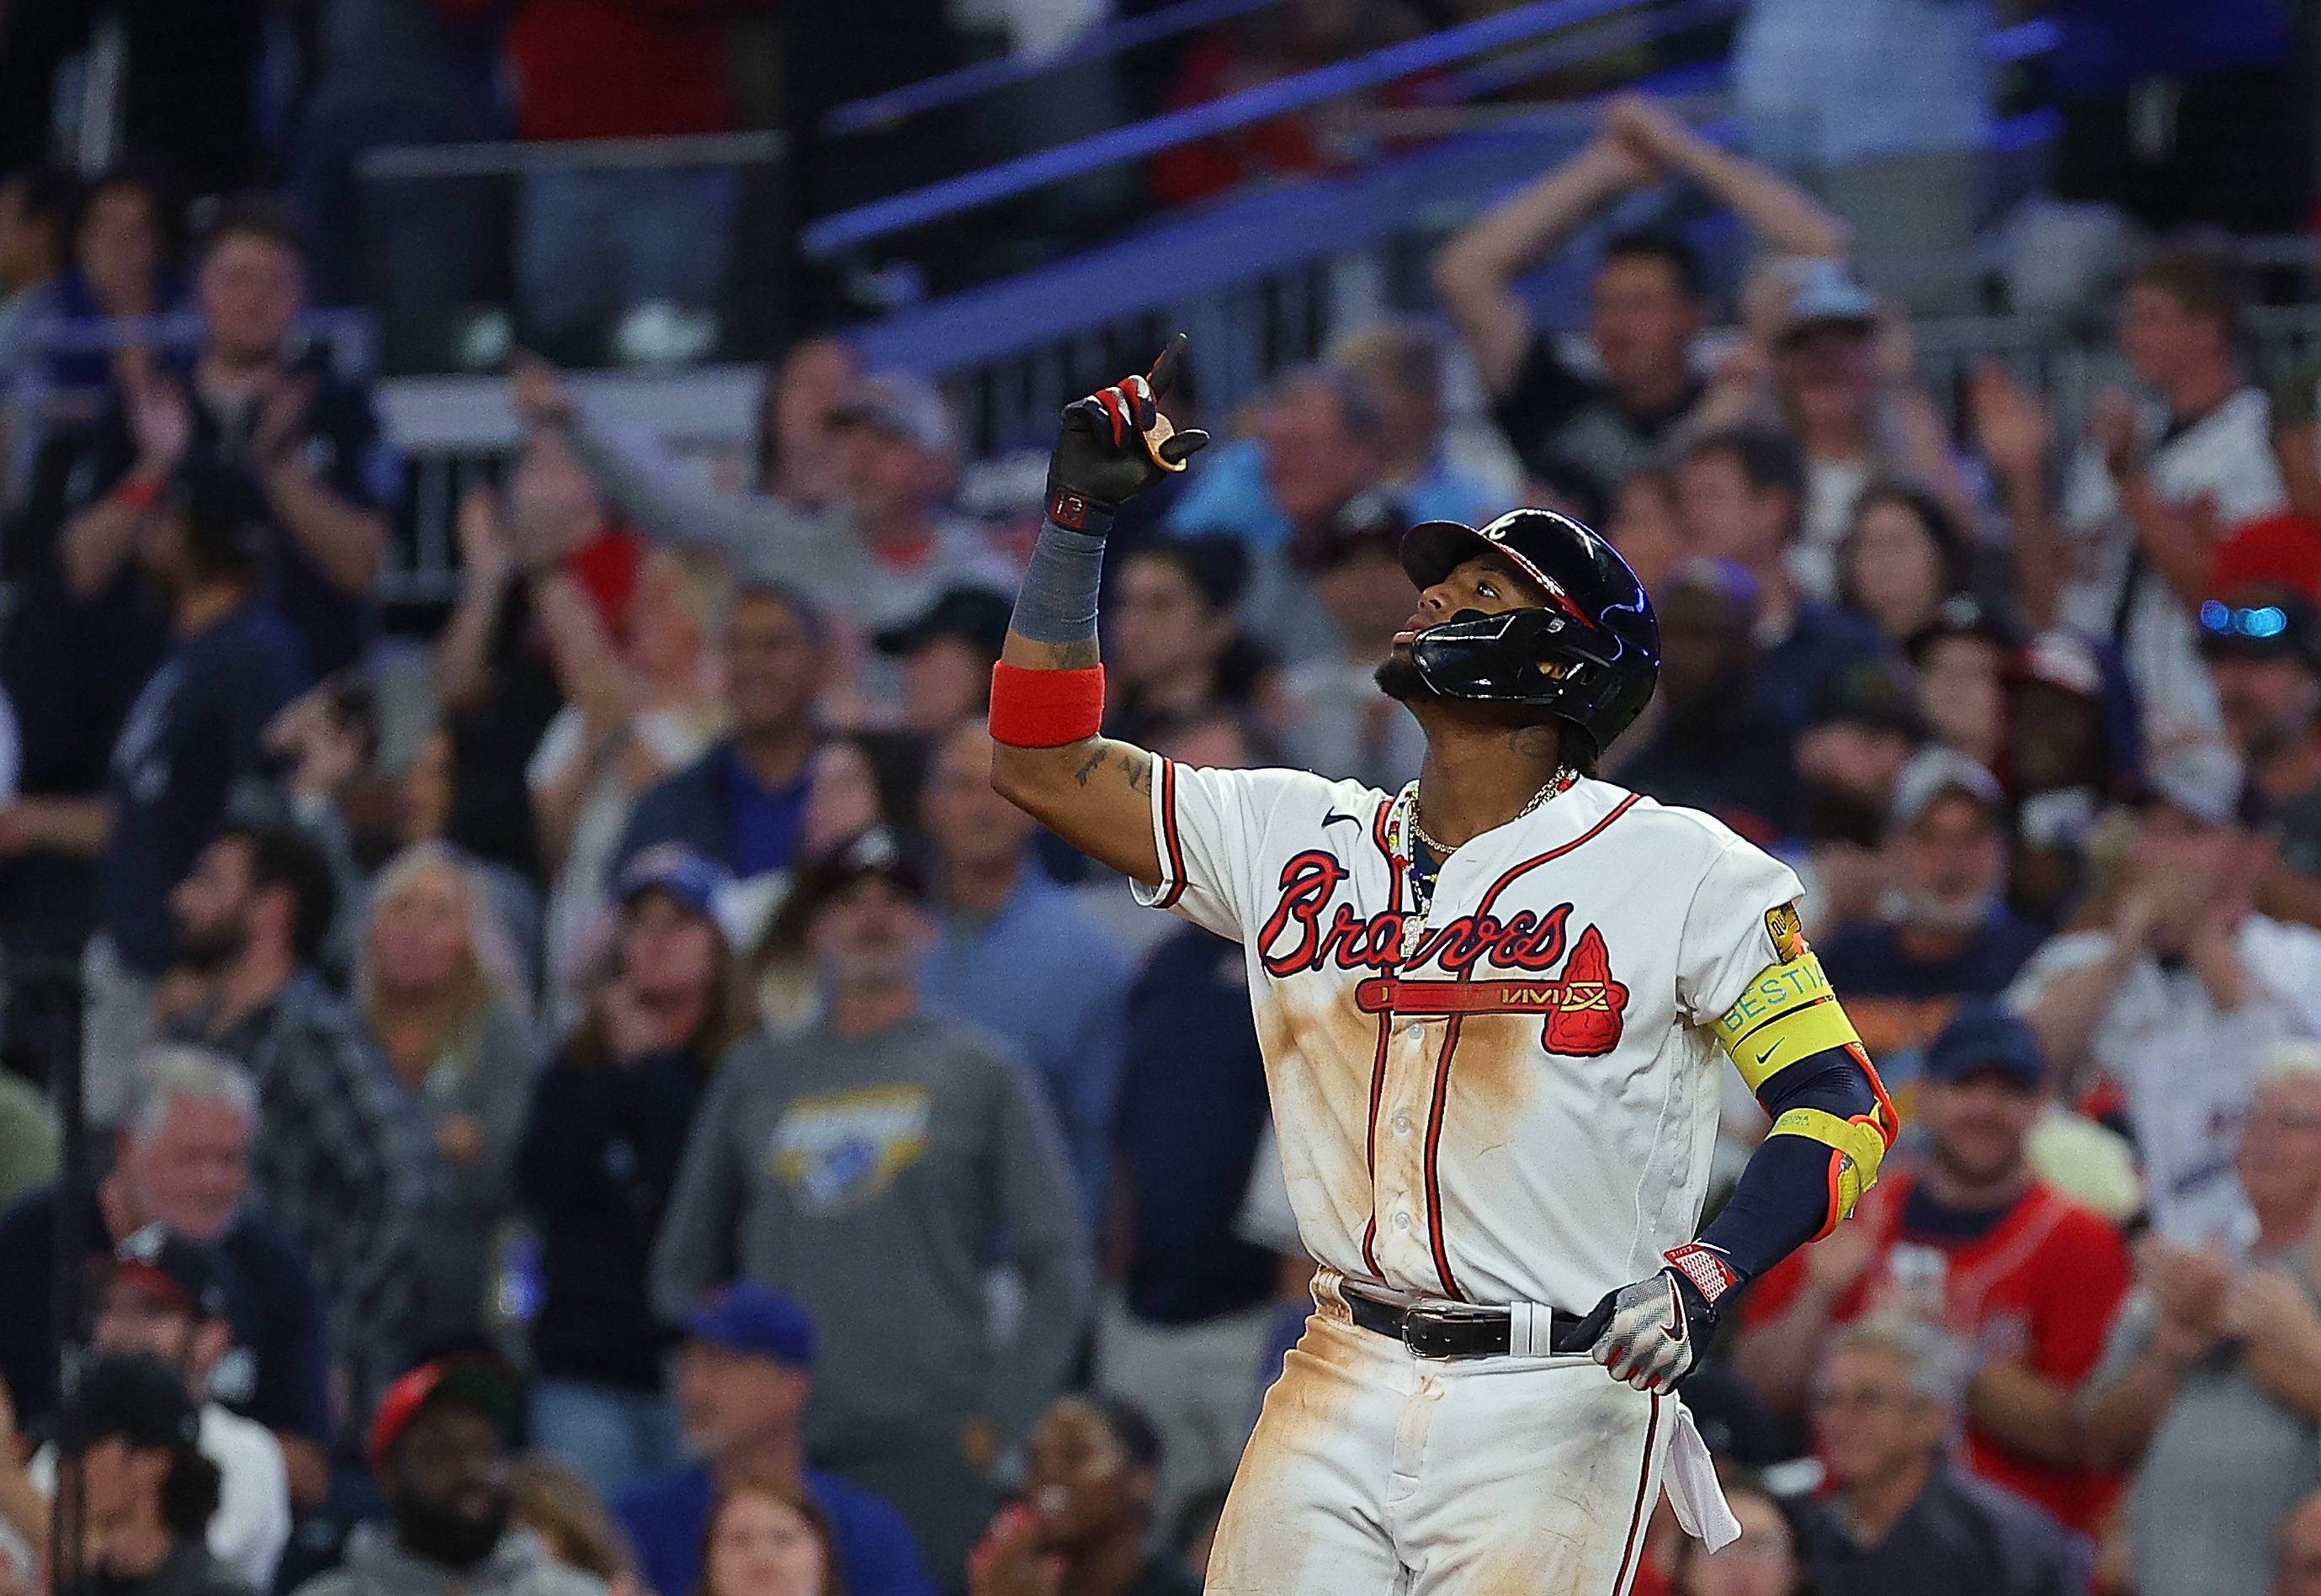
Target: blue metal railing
x: 879, y: 111
x: 902, y: 212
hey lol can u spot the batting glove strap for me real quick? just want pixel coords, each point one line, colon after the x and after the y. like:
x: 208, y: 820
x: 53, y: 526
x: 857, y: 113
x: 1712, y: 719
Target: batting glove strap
x: 1651, y: 1334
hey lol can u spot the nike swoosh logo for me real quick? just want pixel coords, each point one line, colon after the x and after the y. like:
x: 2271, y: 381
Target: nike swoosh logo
x: 1676, y: 1311
x: 1334, y: 817
x: 1769, y: 1052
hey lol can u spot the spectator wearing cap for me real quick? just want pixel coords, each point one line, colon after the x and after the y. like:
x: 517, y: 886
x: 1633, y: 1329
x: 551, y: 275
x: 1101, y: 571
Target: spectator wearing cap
x: 1902, y: 557
x: 1177, y: 646
x: 743, y: 1377
x: 2072, y: 748
x: 1742, y: 492
x: 346, y: 1163
x: 2263, y: 645
x: 181, y: 1163
x: 1327, y: 709
x: 1948, y: 933
x: 947, y: 653
x: 1580, y: 427
x: 1900, y: 1518
x: 880, y: 557
x: 874, y: 1165
x: 743, y: 804
x: 1091, y: 1478
x: 440, y: 1446
x: 2124, y: 556
x: 1844, y: 383
x: 2177, y: 989
x: 599, y: 1156
x: 130, y: 1438
x: 1971, y: 1240
x: 1960, y: 654
x: 2282, y: 549
x: 1713, y: 750
x: 187, y: 753
x: 164, y: 1299
x: 1184, y: 1335
x: 1004, y: 932
x: 632, y: 714
x: 2206, y: 1388
x: 1849, y: 760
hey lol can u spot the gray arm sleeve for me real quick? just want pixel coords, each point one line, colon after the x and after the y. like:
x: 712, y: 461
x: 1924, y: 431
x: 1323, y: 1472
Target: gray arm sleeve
x: 1040, y: 1209
x: 758, y: 536
x: 695, y: 1250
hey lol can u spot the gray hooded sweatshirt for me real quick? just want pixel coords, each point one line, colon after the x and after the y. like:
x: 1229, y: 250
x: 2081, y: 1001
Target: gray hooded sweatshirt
x: 519, y: 1565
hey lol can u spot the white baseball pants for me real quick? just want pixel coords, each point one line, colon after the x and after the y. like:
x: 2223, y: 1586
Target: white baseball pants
x: 1373, y: 1473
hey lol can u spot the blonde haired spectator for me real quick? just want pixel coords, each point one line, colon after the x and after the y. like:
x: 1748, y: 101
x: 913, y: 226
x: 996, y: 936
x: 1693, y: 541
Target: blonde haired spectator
x: 441, y: 993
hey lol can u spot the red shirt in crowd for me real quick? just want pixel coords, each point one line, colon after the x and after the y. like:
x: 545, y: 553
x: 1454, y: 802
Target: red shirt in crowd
x: 606, y: 566
x: 2282, y: 549
x: 616, y: 68
x: 2042, y: 1283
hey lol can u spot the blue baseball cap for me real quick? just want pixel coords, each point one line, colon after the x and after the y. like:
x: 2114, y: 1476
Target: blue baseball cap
x: 756, y: 1319
x: 676, y: 869
x: 1984, y: 1034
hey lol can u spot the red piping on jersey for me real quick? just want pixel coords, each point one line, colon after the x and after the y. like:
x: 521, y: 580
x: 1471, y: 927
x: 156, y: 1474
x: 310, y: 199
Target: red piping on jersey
x: 1628, y: 1560
x: 1451, y: 1044
x: 1174, y: 863
x: 1378, y: 1064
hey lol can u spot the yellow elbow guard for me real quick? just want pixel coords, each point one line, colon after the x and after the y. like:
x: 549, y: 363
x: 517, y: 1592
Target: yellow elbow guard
x: 1787, y: 1013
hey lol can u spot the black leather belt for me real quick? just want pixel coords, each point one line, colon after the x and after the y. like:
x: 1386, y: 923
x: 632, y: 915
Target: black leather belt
x: 1452, y: 1330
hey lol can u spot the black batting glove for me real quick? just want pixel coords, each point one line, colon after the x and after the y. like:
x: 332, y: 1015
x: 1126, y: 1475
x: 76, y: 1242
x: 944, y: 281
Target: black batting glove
x: 1653, y: 1332
x: 1114, y: 444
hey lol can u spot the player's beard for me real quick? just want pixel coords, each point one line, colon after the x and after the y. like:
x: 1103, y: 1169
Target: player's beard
x: 1398, y: 679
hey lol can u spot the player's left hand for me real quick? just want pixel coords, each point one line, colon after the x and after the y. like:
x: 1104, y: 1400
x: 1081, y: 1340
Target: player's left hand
x: 1650, y: 1334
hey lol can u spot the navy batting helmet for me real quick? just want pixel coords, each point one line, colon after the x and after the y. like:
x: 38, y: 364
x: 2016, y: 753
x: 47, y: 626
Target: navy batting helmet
x: 1590, y: 657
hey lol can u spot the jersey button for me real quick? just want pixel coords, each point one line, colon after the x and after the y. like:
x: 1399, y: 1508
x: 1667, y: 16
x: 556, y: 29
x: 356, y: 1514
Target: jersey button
x: 1412, y: 1033
x: 1402, y: 1221
x: 1402, y: 1124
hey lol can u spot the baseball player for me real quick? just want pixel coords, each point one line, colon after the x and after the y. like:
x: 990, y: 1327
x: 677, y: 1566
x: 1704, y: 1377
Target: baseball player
x: 1492, y: 1007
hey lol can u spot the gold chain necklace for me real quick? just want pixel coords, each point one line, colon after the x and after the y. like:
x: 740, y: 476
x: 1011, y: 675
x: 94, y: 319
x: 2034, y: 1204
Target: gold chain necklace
x: 1555, y: 784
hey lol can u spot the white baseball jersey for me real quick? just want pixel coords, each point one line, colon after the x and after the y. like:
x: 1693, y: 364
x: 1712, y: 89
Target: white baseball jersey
x: 1514, y: 1099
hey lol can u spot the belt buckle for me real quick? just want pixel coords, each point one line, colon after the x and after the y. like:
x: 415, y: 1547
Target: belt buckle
x: 1417, y: 1320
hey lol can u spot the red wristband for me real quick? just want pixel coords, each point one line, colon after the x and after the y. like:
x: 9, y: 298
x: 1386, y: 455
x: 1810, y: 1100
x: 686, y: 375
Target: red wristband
x: 1046, y: 709
x: 139, y: 497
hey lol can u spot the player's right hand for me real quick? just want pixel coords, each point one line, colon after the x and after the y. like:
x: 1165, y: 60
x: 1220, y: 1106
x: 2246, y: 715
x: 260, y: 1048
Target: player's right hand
x: 1115, y: 443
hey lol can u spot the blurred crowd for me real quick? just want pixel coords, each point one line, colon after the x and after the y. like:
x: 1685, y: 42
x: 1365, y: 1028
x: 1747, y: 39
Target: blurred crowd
x: 604, y: 1096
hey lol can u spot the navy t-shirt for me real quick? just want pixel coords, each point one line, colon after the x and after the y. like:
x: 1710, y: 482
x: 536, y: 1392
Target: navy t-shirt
x: 1823, y: 642
x: 1868, y: 961
x: 666, y: 1514
x: 1191, y: 1108
x: 766, y: 825
x: 345, y: 451
x: 278, y: 1372
x: 190, y: 741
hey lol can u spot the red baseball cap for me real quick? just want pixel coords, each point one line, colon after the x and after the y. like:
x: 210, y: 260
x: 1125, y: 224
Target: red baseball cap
x: 467, y: 1380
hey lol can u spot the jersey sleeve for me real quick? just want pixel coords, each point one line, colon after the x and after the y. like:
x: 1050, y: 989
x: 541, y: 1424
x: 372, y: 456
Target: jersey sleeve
x: 1739, y: 923
x: 1210, y: 827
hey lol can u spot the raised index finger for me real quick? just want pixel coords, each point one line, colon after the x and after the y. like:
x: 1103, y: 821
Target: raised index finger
x: 1164, y: 369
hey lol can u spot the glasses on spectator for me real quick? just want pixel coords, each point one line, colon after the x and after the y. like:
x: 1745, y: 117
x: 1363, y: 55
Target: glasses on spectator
x: 1859, y: 1398
x: 2241, y: 621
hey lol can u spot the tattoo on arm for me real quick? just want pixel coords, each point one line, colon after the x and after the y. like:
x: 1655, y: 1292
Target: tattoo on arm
x: 1096, y: 754
x: 1083, y: 655
x: 1139, y: 766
